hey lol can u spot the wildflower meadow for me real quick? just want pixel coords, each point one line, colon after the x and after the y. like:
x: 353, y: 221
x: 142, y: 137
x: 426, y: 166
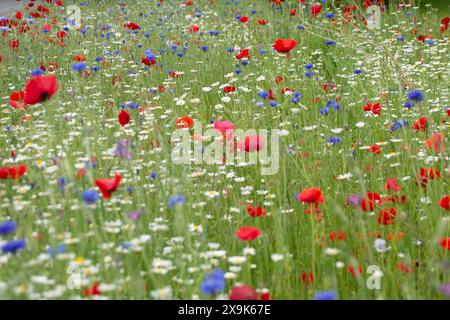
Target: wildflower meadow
x: 225, y: 149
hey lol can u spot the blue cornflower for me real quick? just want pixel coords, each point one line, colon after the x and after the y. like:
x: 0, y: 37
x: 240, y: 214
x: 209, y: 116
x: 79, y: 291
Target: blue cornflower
x: 330, y: 15
x: 416, y: 96
x: 53, y: 251
x: 244, y: 62
x: 79, y: 66
x: 398, y: 124
x: 324, y: 111
x: 237, y: 71
x: 176, y: 199
x: 263, y: 94
x: 309, y: 74
x: 329, y: 42
x: 7, y: 227
x: 334, y: 140
x: 37, y: 72
x: 213, y: 282
x: 408, y: 104
x: 90, y: 196
x: 95, y: 68
x: 325, y: 295
x: 259, y: 104
x: 273, y: 103
x: 262, y: 51
x: 309, y: 66
x: 204, y: 48
x: 13, y: 246
x: 357, y: 71
x: 153, y: 175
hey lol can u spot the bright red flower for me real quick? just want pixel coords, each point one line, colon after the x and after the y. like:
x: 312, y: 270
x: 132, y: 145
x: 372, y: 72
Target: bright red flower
x: 148, y: 61
x: 229, y: 89
x: 16, y: 100
x: 108, y: 186
x: 92, y: 291
x: 370, y: 201
x: 251, y: 143
x: 436, y: 142
x: 184, y: 122
x: 262, y: 22
x: 248, y: 233
x: 375, y: 149
x: 256, y: 211
x: 17, y: 171
x: 355, y: 271
x: 292, y: 12
x: 194, y: 28
x: 124, y: 117
x: 284, y: 45
x: 445, y: 243
x: 243, y: 292
x: 445, y: 202
x: 79, y: 58
x: 245, y: 53
x: 307, y: 277
x: 426, y: 174
x: 40, y: 89
x: 4, y: 174
x: 392, y: 184
x: 132, y: 26
x: 387, y: 216
x: 244, y: 19
x: 315, y: 10
x: 374, y: 107
x: 421, y: 124
x: 312, y: 195
x: 337, y: 235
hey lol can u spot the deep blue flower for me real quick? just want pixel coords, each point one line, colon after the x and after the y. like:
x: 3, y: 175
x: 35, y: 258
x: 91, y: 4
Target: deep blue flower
x: 13, y: 246
x: 273, y: 103
x: 7, y: 227
x: 325, y: 295
x: 329, y: 42
x: 90, y: 196
x: 330, y: 15
x: 204, y: 48
x: 79, y: 66
x: 309, y: 74
x: 53, y: 251
x: 213, y: 283
x: 324, y: 111
x: 416, y: 96
x: 176, y: 199
x: 398, y: 124
x: 153, y: 175
x: 309, y: 66
x: 263, y: 94
x: 357, y: 71
x: 408, y: 104
x: 37, y: 72
x: 334, y: 140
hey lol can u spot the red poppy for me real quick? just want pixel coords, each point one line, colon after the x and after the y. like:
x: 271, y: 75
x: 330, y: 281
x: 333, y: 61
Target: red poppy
x: 307, y: 277
x: 148, y: 61
x: 391, y: 184
x: 387, y: 216
x: 327, y: 86
x: 436, y: 142
x: 40, y: 89
x: 355, y: 271
x: 194, y: 28
x: 426, y: 174
x: 244, y: 19
x: 394, y: 199
x: 79, y: 58
x: 251, y: 143
x: 16, y: 100
x: 284, y: 45
x: 445, y: 202
x: 315, y: 10
x: 421, y: 124
x: 132, y: 26
x: 404, y: 268
x: 4, y: 174
x: 374, y: 107
x: 292, y: 12
x: 256, y: 211
x: 184, y: 122
x: 248, y: 233
x: 312, y: 195
x: 370, y: 201
x: 245, y: 53
x: 13, y: 44
x: 375, y: 149
x: 445, y: 243
x: 243, y: 292
x: 279, y: 79
x: 229, y: 89
x: 92, y: 291
x: 108, y: 186
x: 337, y: 235
x: 17, y: 171
x: 18, y: 15
x: 262, y: 22
x: 124, y: 117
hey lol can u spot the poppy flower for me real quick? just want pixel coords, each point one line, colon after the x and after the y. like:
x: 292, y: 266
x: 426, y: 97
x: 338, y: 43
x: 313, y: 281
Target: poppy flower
x: 184, y: 122
x: 244, y: 19
x: 194, y: 28
x: 355, y: 271
x: 292, y: 12
x: 243, y: 54
x: 17, y: 171
x: 426, y: 174
x: 312, y: 195
x: 228, y: 89
x: 251, y: 143
x: 445, y: 202
x: 248, y: 233
x: 243, y: 292
x: 375, y: 108
x: 132, y: 26
x: 375, y: 149
x: 262, y: 22
x: 40, y: 88
x: 307, y: 277
x: 391, y: 184
x: 148, y: 61
x: 421, y: 124
x: 256, y: 211
x: 16, y: 100
x: 337, y: 235
x: 387, y: 216
x: 284, y: 45
x: 315, y: 10
x: 445, y: 243
x: 108, y: 186
x: 226, y: 128
x: 370, y: 201
x: 436, y: 142
x: 124, y: 117
x: 92, y: 291
x: 4, y: 174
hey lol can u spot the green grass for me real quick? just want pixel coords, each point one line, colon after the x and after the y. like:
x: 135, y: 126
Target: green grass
x: 53, y: 148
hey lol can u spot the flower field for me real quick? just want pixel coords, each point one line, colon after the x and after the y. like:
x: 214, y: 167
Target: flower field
x: 224, y: 149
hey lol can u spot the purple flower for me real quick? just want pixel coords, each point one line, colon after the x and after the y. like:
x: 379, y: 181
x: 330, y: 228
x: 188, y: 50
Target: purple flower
x: 354, y: 200
x: 445, y: 289
x: 134, y: 215
x: 122, y: 150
